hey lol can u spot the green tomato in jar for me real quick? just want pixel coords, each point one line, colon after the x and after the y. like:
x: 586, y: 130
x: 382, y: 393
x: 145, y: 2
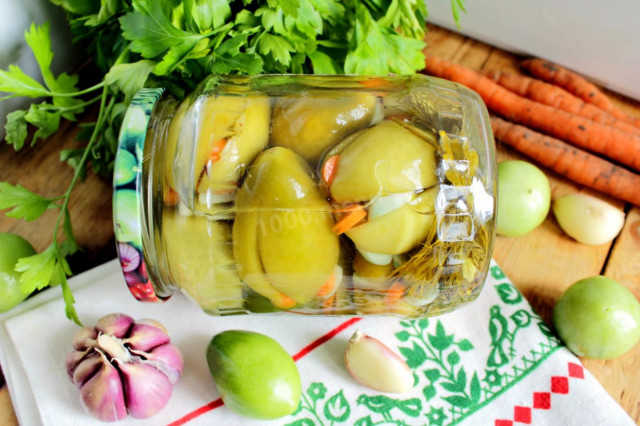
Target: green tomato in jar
x: 12, y: 248
x: 392, y: 171
x: 254, y: 375
x: 524, y: 198
x: 598, y: 318
x: 282, y: 234
x: 311, y: 125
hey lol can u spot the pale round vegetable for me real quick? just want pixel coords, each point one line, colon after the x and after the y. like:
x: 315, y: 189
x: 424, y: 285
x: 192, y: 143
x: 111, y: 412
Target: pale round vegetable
x: 598, y: 318
x: 524, y: 198
x: 588, y: 219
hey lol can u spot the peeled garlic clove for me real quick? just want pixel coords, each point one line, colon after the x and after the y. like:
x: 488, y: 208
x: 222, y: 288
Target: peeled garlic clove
x: 375, y: 365
x: 147, y: 389
x: 84, y: 338
x: 588, y: 219
x: 146, y: 336
x: 102, y: 394
x: 117, y: 324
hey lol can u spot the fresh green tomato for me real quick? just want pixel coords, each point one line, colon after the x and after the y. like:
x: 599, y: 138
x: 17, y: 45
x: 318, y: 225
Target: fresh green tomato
x: 598, y: 318
x: 254, y: 375
x: 12, y: 248
x: 524, y: 197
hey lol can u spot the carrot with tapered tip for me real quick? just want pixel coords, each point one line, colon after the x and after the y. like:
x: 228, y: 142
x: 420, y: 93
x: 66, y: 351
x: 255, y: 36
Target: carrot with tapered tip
x: 573, y: 83
x: 557, y: 97
x: 609, y: 141
x: 573, y: 163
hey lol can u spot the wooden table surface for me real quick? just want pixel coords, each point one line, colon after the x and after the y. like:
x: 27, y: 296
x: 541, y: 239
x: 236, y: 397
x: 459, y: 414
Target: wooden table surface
x: 542, y: 264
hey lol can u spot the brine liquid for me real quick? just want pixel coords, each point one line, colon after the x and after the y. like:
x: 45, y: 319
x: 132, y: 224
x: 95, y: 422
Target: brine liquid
x: 357, y: 199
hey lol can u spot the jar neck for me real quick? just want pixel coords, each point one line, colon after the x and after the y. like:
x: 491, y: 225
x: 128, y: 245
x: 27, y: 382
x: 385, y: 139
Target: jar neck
x: 154, y: 195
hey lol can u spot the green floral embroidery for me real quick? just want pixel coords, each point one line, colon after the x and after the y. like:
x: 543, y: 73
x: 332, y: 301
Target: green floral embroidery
x: 446, y: 369
x: 509, y: 294
x: 436, y: 416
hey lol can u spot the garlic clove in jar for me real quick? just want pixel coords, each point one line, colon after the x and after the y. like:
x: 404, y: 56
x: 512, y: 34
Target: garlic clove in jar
x: 373, y: 364
x: 124, y: 367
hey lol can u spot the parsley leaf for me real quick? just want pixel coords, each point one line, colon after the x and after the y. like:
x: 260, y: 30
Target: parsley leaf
x: 150, y: 31
x: 16, y: 128
x: 18, y: 83
x: 24, y: 203
x: 380, y: 50
x: 129, y: 78
x: 37, y: 269
x: 202, y: 15
x: 37, y: 37
x: 275, y: 46
x: 47, y: 121
x: 228, y: 57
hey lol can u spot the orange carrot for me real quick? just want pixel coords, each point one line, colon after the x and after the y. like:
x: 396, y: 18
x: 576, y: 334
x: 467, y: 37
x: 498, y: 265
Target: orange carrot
x: 217, y: 148
x: 349, y: 220
x: 606, y: 140
x: 171, y: 197
x: 374, y: 82
x: 327, y: 287
x: 329, y: 169
x: 566, y: 160
x: 284, y: 302
x: 557, y: 97
x: 327, y: 303
x: 394, y: 293
x: 573, y: 83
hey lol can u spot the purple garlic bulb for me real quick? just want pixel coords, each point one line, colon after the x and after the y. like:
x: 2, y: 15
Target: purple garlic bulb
x: 124, y: 367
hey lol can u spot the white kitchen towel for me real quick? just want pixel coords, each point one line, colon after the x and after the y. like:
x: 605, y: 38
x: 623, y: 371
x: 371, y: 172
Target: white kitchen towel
x: 492, y: 362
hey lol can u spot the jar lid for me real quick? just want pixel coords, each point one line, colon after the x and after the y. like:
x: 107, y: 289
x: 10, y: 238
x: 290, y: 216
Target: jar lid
x: 127, y: 194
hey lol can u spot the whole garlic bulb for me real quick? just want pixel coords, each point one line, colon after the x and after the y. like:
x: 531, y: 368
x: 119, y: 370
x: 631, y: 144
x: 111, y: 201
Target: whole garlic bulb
x: 122, y: 367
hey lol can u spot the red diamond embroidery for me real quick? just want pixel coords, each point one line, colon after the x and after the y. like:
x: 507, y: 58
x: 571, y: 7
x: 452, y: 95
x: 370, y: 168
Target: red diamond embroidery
x: 503, y: 422
x: 559, y: 384
x: 542, y: 400
x: 522, y: 414
x: 576, y: 370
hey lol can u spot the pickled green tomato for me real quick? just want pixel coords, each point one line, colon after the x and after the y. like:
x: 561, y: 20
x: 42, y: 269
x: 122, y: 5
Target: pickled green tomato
x: 598, y: 318
x: 12, y: 248
x: 254, y: 375
x: 524, y: 198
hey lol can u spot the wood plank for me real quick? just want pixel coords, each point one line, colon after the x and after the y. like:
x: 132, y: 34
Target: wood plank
x: 39, y: 169
x: 7, y: 414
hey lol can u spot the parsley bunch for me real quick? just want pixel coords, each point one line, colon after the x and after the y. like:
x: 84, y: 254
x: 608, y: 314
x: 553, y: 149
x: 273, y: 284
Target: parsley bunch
x: 175, y: 44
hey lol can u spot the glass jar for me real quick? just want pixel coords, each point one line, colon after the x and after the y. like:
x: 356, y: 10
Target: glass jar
x: 328, y: 195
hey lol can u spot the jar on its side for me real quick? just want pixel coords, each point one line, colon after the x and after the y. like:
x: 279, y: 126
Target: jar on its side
x: 327, y: 195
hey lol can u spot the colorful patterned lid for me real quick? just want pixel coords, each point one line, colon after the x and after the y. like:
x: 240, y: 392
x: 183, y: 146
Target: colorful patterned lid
x: 127, y: 195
